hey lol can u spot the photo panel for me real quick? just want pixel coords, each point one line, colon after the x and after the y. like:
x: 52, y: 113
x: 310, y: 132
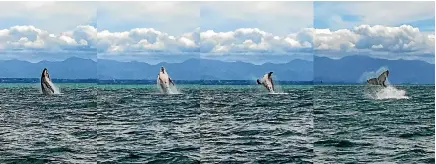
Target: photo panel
x: 256, y: 70
x: 148, y: 99
x: 374, y: 82
x: 47, y: 82
x: 217, y: 82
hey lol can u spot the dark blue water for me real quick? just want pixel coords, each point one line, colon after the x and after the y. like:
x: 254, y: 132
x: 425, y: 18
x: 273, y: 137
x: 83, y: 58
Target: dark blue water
x: 354, y: 124
x: 137, y: 124
x: 216, y: 124
x: 48, y: 129
x: 243, y: 124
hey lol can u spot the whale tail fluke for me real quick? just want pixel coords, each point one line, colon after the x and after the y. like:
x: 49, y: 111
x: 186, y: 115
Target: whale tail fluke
x: 380, y: 80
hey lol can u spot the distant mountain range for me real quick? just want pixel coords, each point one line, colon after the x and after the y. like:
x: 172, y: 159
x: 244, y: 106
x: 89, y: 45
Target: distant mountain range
x: 357, y: 69
x: 203, y: 69
x: 351, y: 69
x: 71, y: 68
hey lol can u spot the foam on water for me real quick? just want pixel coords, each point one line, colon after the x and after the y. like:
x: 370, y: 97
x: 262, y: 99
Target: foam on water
x: 55, y: 88
x: 279, y: 93
x: 388, y: 92
x: 172, y: 89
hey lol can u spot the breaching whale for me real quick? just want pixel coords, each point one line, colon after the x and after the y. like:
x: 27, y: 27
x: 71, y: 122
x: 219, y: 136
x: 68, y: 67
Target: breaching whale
x: 45, y: 82
x: 164, y: 80
x: 267, y: 82
x: 380, y: 80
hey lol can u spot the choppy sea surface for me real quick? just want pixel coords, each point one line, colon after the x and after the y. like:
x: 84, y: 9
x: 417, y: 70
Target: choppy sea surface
x: 87, y: 123
x: 204, y: 124
x: 48, y: 129
x: 361, y: 124
x: 244, y: 124
x: 138, y: 124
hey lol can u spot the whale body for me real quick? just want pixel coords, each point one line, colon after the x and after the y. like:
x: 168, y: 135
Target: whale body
x: 45, y: 83
x: 267, y: 82
x: 164, y: 81
x: 380, y: 80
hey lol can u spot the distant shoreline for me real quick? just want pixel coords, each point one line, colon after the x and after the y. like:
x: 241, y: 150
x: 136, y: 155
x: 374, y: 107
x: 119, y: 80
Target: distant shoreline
x: 199, y: 82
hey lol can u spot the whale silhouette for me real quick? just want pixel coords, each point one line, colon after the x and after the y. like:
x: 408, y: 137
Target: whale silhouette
x: 164, y: 80
x: 45, y: 83
x: 380, y: 80
x: 267, y: 82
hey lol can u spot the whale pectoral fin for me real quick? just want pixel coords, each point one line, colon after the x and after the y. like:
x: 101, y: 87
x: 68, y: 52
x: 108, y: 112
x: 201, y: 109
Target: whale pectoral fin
x: 49, y: 86
x: 269, y: 74
x: 258, y: 82
x: 272, y: 84
x: 382, y: 78
x: 171, y: 81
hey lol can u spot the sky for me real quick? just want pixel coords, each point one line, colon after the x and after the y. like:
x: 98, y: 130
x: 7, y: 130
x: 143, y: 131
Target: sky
x: 35, y: 31
x: 389, y: 30
x: 255, y: 32
x: 149, y: 32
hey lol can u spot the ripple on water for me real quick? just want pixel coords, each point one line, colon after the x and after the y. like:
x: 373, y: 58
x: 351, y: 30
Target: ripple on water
x: 352, y: 127
x: 38, y: 128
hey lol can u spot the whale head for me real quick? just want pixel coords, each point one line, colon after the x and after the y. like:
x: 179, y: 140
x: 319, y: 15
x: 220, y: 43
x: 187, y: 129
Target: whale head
x: 44, y: 73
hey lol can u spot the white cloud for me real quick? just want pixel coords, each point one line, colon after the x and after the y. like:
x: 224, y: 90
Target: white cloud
x: 49, y: 15
x: 402, y: 39
x: 18, y: 38
x: 253, y: 40
x: 373, y: 40
x: 146, y: 40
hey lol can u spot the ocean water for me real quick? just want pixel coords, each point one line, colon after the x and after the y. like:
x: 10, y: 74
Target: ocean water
x: 244, y: 124
x: 361, y: 124
x: 87, y: 123
x: 137, y: 124
x: 35, y: 128
x: 204, y: 124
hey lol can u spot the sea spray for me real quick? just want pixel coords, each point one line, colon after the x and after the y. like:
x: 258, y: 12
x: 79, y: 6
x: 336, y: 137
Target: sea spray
x: 277, y: 87
x: 171, y: 89
x: 389, y: 92
x: 378, y: 92
x: 55, y: 88
x: 372, y: 74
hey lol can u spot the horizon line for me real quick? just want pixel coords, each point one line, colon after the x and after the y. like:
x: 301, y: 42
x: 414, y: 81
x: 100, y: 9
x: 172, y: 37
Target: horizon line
x: 152, y: 81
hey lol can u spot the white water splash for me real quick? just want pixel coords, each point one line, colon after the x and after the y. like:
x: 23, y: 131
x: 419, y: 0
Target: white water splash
x: 171, y: 89
x: 388, y: 92
x: 277, y: 90
x: 278, y: 93
x: 55, y: 88
x: 372, y: 74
